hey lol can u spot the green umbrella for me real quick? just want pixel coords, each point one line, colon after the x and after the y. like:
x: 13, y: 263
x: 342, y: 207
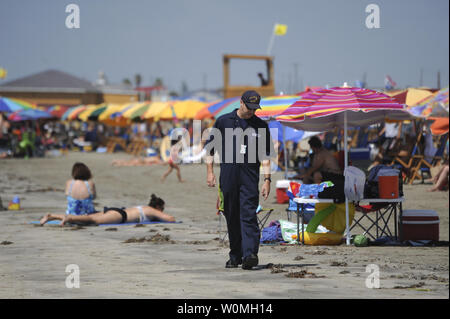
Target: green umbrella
x: 136, y: 115
x: 230, y: 107
x: 94, y: 115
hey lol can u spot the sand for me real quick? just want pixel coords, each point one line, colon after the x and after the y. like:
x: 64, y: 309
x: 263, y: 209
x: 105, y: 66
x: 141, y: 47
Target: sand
x: 186, y: 260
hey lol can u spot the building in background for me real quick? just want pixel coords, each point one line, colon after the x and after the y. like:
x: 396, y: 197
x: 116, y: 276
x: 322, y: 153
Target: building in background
x: 53, y: 87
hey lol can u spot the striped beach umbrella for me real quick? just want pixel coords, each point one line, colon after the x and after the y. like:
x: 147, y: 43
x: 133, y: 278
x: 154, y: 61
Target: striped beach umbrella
x: 274, y: 105
x: 28, y: 115
x: 154, y: 110
x: 181, y: 110
x: 345, y: 106
x: 229, y: 106
x: 10, y: 105
x: 342, y: 106
x: 435, y: 105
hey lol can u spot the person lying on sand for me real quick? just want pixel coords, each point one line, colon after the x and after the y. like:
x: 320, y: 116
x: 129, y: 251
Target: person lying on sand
x: 137, y: 161
x: 113, y: 215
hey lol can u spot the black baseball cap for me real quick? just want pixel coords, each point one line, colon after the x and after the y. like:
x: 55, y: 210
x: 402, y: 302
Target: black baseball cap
x: 251, y: 99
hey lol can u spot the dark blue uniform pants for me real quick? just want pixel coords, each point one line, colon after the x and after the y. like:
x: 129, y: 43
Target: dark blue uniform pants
x: 239, y: 185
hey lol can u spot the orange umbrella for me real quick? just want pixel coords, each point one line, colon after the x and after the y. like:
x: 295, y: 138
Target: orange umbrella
x: 439, y: 126
x: 204, y: 113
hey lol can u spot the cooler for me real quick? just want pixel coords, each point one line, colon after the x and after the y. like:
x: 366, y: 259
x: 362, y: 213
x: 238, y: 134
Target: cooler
x: 420, y: 225
x: 282, y: 187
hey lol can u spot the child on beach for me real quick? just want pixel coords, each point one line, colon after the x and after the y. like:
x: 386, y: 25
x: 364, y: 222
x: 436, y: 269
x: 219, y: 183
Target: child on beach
x: 80, y: 191
x: 172, y: 162
x: 112, y: 215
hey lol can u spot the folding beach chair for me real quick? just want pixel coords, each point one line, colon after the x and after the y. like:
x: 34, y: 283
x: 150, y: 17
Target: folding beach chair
x: 407, y: 163
x: 378, y: 216
x: 424, y: 166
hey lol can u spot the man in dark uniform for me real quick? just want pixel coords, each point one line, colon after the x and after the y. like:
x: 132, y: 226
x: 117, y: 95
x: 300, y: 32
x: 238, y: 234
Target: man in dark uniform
x: 243, y: 142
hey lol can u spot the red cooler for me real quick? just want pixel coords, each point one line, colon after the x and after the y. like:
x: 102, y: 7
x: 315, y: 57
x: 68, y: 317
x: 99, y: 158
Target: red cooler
x: 282, y: 187
x: 420, y: 225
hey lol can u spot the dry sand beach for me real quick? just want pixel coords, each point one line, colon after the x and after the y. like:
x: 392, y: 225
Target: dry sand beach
x: 186, y: 260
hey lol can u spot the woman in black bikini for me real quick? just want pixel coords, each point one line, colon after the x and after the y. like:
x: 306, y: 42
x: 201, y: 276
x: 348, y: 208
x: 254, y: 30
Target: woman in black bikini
x: 113, y: 215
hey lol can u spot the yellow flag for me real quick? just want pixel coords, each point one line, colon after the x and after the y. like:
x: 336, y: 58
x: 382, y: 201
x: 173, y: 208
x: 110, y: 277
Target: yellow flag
x: 280, y: 29
x: 3, y: 73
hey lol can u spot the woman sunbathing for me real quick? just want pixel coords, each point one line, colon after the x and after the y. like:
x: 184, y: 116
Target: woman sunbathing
x: 113, y: 215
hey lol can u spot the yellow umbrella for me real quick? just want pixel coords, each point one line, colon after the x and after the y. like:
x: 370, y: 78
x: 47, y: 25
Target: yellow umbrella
x: 410, y: 96
x: 127, y: 113
x: 192, y: 108
x: 83, y: 116
x: 105, y: 117
x: 154, y: 109
x: 181, y: 110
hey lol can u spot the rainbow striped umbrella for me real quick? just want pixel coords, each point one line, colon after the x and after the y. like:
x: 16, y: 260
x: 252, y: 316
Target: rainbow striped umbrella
x: 340, y: 107
x: 274, y: 105
x: 230, y: 106
x: 435, y: 106
x: 71, y: 114
x: 217, y: 109
x: 10, y: 105
x: 28, y: 115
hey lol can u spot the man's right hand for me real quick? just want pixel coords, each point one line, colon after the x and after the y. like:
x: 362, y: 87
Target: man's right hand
x: 211, y: 180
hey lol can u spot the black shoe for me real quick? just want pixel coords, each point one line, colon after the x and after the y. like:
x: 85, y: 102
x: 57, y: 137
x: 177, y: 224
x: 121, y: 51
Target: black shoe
x: 250, y: 262
x: 232, y: 264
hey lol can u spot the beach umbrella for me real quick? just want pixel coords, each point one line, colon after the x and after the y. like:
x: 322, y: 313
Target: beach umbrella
x: 139, y: 112
x: 230, y: 106
x: 10, y: 105
x: 57, y: 111
x: 410, y: 96
x: 28, y: 115
x: 273, y: 105
x: 435, y: 106
x: 204, y: 113
x: 215, y: 108
x: 290, y: 133
x: 342, y: 107
x: 181, y: 110
x: 439, y: 125
x: 154, y: 109
x: 83, y: 115
x: 105, y: 116
x: 76, y: 109
x: 127, y: 112
x: 93, y: 116
x: 74, y: 113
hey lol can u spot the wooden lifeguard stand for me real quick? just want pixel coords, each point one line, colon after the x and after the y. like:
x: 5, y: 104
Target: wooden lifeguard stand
x: 233, y: 91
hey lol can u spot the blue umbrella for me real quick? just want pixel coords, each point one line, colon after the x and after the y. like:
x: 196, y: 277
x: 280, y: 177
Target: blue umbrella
x: 29, y: 114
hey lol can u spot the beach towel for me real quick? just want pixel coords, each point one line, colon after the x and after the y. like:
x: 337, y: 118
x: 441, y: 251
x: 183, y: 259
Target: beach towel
x: 57, y: 222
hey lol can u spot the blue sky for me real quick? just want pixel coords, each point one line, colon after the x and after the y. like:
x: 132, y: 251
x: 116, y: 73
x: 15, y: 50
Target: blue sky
x: 327, y: 41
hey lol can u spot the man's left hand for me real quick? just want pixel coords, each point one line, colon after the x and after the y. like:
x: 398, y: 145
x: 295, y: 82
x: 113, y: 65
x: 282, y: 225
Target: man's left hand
x: 265, y: 190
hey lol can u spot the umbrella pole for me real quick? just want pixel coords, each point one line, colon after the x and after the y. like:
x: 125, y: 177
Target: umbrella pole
x: 346, y: 164
x: 285, y: 153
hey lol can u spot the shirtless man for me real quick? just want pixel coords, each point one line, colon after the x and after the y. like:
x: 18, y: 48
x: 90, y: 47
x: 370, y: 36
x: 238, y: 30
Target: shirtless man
x: 324, y: 166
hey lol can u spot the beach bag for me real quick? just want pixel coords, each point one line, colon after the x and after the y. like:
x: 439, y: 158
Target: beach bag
x: 335, y: 192
x: 355, y: 180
